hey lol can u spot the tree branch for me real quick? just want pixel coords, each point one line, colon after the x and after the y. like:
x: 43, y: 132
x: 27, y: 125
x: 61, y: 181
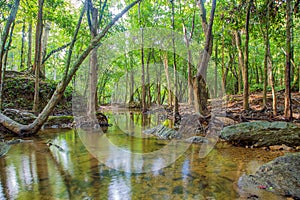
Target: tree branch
x: 55, y: 51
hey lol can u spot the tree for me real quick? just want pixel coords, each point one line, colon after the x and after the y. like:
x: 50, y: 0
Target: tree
x: 287, y: 96
x: 35, y: 126
x: 200, y: 91
x: 38, y: 55
x: 176, y: 115
x: 94, y: 22
x: 4, y: 36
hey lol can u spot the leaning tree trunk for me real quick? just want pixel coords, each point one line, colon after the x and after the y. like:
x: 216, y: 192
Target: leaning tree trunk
x: 35, y: 126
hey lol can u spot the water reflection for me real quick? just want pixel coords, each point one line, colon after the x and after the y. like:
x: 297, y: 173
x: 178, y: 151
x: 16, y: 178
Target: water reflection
x: 35, y: 171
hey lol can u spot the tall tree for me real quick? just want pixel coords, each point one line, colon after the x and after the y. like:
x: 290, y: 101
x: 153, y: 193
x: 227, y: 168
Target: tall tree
x: 4, y: 36
x: 144, y: 105
x: 176, y: 115
x: 200, y: 90
x: 38, y: 55
x: 287, y: 96
x: 246, y: 60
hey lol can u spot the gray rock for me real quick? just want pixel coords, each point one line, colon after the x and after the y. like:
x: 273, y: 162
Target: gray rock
x: 262, y: 133
x: 280, y: 176
x: 163, y: 132
x: 197, y: 139
x: 20, y: 116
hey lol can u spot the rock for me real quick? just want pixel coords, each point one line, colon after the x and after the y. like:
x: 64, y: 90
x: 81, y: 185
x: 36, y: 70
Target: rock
x: 262, y: 133
x: 197, y: 139
x: 280, y: 176
x: 59, y: 122
x: 4, y: 147
x: 280, y: 147
x: 163, y: 132
x: 23, y: 117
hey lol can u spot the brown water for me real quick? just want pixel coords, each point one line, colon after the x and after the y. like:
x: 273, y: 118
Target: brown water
x: 34, y: 170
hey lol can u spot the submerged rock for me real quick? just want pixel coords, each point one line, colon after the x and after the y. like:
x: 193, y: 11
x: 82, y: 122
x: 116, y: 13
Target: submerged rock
x: 262, y: 133
x: 4, y: 147
x: 280, y: 176
x: 197, y: 139
x: 163, y: 132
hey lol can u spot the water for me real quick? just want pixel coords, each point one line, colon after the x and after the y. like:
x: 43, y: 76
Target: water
x: 34, y: 170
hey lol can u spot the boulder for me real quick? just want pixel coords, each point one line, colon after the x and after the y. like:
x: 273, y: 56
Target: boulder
x: 262, y: 133
x: 163, y: 132
x: 280, y: 176
x: 23, y: 117
x: 196, y: 139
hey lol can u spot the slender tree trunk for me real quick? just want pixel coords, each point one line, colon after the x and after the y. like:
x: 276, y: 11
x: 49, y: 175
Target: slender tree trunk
x: 200, y: 91
x: 176, y: 115
x: 44, y: 46
x: 246, y: 60
x: 216, y: 72
x: 144, y: 105
x: 29, y: 65
x: 148, y: 85
x: 4, y: 36
x: 190, y: 74
x: 224, y: 67
x: 268, y: 60
x: 38, y: 56
x: 93, y: 20
x: 22, y: 60
x: 287, y: 97
x: 131, y: 80
x: 166, y: 68
x: 7, y: 50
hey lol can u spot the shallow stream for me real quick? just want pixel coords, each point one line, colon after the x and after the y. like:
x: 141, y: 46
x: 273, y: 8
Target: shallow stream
x: 67, y: 170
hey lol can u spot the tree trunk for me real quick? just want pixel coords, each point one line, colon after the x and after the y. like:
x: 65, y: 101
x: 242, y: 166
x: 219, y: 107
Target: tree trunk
x: 131, y: 88
x: 190, y: 75
x: 29, y: 65
x: 224, y: 67
x: 38, y: 56
x: 246, y: 60
x: 44, y: 46
x: 144, y: 105
x: 176, y: 115
x: 35, y: 126
x: 166, y: 68
x: 22, y: 60
x: 93, y: 20
x: 216, y: 72
x: 287, y: 96
x: 243, y: 68
x: 268, y: 60
x: 202, y: 69
x: 4, y: 36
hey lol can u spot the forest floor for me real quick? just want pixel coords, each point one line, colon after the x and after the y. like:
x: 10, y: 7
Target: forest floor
x: 233, y: 105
